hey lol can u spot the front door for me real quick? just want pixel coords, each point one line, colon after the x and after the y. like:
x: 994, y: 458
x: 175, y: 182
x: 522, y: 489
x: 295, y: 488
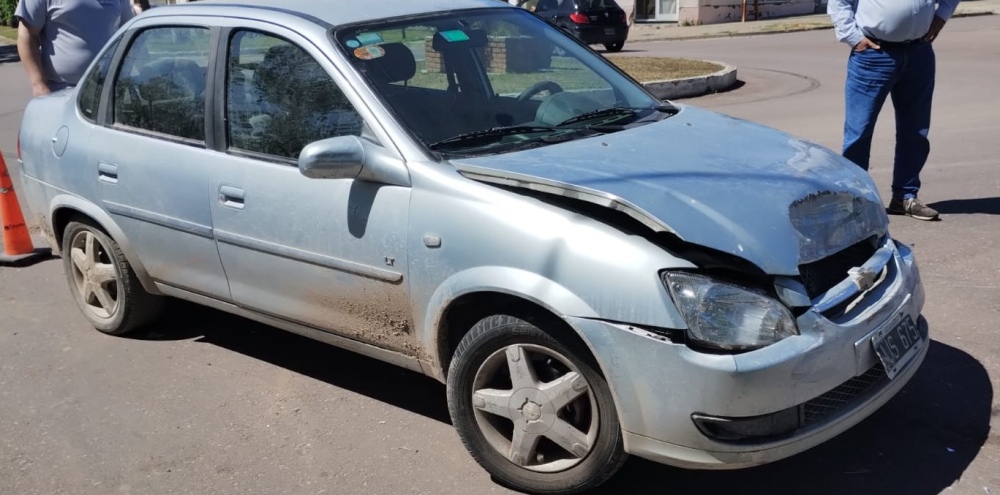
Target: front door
x: 327, y: 253
x: 151, y: 163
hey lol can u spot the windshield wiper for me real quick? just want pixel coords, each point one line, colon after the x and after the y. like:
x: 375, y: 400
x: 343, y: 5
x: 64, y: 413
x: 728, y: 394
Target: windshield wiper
x: 616, y: 111
x: 596, y: 114
x: 490, y: 134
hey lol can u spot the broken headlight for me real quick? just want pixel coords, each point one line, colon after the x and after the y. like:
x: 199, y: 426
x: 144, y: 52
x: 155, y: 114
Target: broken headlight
x: 728, y: 317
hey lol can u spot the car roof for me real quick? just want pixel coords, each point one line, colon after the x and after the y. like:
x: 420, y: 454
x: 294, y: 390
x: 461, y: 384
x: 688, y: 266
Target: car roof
x: 332, y: 12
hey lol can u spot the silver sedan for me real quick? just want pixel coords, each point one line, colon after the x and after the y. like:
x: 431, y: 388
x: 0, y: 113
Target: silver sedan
x: 459, y: 188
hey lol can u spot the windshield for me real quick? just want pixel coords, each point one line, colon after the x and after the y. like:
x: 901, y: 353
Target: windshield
x: 492, y: 80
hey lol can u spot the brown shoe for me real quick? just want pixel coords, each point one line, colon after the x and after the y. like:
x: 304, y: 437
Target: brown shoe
x: 912, y: 207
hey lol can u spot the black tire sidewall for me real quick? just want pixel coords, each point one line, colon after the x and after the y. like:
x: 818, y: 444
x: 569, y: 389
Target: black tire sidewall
x: 494, y: 333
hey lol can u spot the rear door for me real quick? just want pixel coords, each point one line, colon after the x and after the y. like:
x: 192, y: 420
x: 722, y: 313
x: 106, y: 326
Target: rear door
x: 327, y: 253
x: 150, y: 160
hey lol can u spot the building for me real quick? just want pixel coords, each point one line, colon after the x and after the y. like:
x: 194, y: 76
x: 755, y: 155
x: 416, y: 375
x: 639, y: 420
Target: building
x: 687, y: 12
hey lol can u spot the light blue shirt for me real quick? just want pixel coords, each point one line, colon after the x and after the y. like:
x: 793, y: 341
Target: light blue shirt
x: 886, y: 20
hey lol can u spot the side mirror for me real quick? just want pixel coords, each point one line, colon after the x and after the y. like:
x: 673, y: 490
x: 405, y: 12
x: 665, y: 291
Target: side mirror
x: 341, y: 157
x: 350, y: 157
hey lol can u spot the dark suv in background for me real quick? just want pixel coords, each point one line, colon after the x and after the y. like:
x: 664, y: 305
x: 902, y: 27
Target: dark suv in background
x: 591, y: 21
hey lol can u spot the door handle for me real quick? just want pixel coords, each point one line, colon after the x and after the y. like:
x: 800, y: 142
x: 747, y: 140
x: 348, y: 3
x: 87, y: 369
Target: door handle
x: 232, y: 196
x: 107, y: 172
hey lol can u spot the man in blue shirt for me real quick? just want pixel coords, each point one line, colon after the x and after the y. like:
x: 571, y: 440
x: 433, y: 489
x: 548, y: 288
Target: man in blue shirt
x: 891, y: 55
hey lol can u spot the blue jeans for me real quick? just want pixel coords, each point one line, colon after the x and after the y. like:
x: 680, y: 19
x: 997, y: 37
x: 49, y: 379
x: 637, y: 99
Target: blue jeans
x: 907, y: 73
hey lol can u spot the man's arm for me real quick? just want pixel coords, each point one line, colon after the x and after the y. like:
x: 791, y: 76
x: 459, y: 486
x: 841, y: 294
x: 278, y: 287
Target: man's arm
x: 945, y: 8
x: 30, y: 51
x: 842, y: 14
x: 127, y: 12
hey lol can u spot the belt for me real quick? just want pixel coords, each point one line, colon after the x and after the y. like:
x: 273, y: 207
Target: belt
x: 895, y: 44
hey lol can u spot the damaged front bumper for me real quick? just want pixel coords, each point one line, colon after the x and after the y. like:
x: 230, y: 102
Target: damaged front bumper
x: 687, y: 408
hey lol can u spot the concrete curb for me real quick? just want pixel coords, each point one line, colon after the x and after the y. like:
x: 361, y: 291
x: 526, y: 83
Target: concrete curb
x: 694, y: 86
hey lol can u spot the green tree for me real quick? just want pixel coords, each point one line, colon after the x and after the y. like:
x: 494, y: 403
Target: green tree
x: 7, y: 8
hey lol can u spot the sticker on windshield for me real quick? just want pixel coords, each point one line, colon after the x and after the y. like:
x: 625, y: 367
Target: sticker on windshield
x: 353, y: 43
x: 454, y: 35
x: 369, y: 52
x: 369, y: 38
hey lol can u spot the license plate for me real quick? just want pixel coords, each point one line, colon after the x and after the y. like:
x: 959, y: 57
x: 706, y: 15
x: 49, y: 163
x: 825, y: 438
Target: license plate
x: 609, y: 31
x: 897, y: 345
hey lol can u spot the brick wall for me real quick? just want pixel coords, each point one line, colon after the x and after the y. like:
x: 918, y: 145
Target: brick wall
x: 502, y: 54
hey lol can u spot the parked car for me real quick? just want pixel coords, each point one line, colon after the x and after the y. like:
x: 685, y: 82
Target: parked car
x: 594, y: 22
x: 461, y: 189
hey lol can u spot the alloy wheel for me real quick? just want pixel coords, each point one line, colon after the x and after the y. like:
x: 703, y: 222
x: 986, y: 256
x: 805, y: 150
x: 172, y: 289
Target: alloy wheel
x: 94, y: 274
x: 535, y: 408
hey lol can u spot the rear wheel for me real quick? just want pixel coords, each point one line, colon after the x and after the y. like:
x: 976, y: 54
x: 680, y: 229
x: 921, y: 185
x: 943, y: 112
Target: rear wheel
x: 103, y: 283
x: 535, y: 412
x: 614, y: 46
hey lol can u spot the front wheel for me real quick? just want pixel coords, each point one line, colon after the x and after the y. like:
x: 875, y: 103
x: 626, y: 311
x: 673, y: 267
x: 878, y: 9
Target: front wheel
x: 535, y: 412
x: 614, y: 46
x: 103, y: 283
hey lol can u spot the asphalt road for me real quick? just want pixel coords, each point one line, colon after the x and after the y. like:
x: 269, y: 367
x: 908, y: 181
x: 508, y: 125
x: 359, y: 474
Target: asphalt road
x: 206, y: 403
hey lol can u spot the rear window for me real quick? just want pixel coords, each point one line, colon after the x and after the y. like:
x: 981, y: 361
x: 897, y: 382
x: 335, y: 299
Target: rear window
x: 596, y: 4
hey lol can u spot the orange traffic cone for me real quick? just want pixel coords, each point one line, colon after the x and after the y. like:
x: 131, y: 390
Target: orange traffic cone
x: 17, y: 248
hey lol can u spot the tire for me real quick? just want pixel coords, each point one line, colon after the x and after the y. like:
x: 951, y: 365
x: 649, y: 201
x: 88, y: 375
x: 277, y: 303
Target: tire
x: 102, y: 281
x: 614, y: 46
x: 572, y: 439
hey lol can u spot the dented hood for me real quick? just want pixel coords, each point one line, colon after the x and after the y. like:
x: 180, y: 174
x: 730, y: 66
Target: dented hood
x: 712, y: 180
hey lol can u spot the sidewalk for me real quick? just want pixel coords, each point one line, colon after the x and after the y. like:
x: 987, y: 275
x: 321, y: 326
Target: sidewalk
x: 671, y: 31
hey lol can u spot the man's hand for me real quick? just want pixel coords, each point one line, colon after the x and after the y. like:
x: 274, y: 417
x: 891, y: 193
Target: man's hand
x: 40, y: 88
x: 935, y: 29
x: 865, y: 44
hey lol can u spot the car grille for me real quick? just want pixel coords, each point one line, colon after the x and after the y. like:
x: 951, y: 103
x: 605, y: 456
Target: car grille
x: 781, y: 424
x: 829, y: 403
x: 820, y: 276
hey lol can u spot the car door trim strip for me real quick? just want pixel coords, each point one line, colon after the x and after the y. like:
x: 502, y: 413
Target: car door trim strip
x: 159, y: 219
x: 308, y: 257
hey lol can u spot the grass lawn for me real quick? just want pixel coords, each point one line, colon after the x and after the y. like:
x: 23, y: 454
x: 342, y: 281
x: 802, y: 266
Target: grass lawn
x: 648, y: 69
x: 572, y: 75
x: 9, y: 33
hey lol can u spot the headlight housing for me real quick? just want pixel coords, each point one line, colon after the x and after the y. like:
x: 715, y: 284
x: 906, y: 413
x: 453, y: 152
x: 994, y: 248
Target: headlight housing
x: 728, y: 317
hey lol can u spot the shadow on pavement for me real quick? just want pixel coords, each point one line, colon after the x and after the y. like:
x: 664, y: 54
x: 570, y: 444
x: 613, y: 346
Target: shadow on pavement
x: 8, y: 54
x: 737, y: 85
x: 344, y: 369
x: 918, y: 444
x: 989, y: 206
x: 602, y: 51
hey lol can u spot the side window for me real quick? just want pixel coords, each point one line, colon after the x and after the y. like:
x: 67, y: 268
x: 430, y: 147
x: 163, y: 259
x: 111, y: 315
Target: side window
x: 161, y: 84
x: 90, y: 90
x: 279, y: 99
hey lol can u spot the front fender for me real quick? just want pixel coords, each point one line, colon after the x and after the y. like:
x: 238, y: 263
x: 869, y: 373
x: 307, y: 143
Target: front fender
x: 505, y: 280
x: 65, y: 201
